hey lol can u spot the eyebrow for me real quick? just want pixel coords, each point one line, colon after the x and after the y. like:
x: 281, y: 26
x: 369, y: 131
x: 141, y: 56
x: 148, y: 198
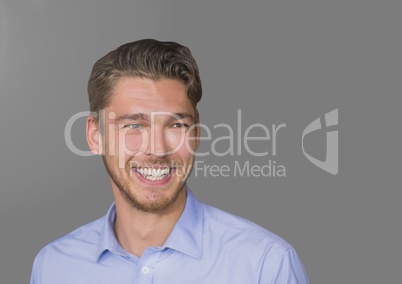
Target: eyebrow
x: 144, y: 116
x: 182, y: 115
x: 132, y: 116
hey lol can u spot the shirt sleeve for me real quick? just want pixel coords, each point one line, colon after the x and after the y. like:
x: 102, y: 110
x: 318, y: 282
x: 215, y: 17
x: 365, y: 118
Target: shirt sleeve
x: 287, y: 268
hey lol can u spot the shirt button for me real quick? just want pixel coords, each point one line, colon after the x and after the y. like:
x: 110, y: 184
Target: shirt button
x: 145, y: 269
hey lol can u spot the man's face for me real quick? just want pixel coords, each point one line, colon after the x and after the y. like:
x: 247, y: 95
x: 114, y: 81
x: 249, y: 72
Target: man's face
x: 149, y: 141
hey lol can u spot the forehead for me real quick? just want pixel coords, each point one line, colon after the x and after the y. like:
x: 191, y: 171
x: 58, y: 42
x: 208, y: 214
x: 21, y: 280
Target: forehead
x: 141, y: 97
x: 148, y: 91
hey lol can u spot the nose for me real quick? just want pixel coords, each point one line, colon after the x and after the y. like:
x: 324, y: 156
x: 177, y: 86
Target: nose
x: 157, y: 143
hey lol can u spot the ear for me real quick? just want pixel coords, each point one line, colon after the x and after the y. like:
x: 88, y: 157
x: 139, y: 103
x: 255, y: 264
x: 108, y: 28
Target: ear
x: 94, y: 135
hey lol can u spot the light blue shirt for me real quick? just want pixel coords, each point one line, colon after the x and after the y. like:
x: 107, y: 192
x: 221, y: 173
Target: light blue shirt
x: 206, y: 246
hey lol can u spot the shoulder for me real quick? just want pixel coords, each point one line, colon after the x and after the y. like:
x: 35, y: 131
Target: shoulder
x: 274, y: 258
x: 227, y: 225
x: 69, y: 254
x: 79, y: 242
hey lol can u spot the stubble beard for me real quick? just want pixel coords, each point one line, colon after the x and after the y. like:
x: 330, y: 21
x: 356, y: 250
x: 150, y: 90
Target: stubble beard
x: 125, y: 187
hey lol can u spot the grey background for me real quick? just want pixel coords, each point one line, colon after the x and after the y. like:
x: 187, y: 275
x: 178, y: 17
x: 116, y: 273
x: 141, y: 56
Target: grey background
x: 278, y: 61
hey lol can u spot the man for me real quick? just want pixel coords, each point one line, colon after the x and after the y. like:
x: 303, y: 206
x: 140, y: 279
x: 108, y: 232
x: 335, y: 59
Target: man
x: 143, y: 99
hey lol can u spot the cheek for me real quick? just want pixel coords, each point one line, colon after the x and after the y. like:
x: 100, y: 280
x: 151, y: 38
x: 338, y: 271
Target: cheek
x: 187, y: 149
x: 175, y: 140
x: 133, y: 142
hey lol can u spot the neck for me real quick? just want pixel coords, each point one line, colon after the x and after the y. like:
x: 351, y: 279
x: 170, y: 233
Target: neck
x: 136, y: 230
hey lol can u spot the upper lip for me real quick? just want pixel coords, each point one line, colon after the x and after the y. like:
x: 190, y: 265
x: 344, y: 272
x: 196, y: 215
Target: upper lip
x: 152, y: 167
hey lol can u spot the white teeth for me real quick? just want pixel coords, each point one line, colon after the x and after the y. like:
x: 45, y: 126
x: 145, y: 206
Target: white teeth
x: 153, y: 174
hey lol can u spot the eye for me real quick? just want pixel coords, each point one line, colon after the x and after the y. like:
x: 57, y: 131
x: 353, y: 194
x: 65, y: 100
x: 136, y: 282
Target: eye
x: 132, y: 126
x: 180, y: 125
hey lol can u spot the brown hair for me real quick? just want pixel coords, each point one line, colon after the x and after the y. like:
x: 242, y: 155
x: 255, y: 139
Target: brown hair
x: 147, y: 58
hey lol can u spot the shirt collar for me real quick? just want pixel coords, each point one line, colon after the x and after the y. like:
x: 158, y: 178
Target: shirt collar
x: 108, y: 240
x: 185, y: 237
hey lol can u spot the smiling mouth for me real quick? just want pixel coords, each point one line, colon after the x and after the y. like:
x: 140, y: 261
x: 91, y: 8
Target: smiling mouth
x: 151, y: 173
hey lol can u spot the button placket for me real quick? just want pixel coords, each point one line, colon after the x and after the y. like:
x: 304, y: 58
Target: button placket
x: 147, y: 265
